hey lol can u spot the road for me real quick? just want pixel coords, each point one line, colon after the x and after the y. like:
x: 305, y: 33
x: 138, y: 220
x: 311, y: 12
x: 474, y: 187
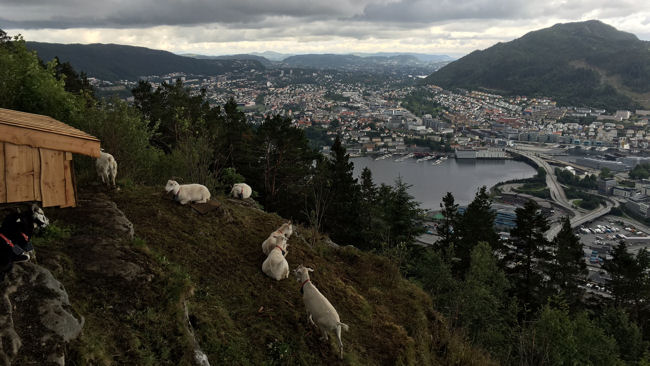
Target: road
x: 559, y: 197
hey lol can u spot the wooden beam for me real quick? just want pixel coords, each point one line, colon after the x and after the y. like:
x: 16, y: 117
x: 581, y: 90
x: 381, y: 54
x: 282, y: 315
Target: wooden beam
x: 36, y: 164
x: 69, y: 185
x: 3, y: 181
x: 53, y: 187
x: 40, y: 139
x: 19, y: 172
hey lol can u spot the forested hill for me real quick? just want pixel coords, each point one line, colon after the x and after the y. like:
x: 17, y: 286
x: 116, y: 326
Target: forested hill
x: 583, y: 63
x: 116, y: 62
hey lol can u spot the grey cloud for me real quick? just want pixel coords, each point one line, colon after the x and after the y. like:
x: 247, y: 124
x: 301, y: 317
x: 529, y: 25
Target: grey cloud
x: 139, y: 14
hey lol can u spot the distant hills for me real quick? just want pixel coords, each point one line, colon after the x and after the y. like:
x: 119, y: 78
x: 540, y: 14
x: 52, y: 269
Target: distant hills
x: 363, y: 61
x: 583, y: 63
x: 116, y: 62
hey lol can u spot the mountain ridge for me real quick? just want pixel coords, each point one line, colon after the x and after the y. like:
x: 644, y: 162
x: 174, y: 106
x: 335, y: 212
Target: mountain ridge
x: 550, y: 62
x: 116, y: 62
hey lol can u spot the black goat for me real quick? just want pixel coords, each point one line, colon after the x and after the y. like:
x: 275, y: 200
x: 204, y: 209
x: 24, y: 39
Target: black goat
x: 16, y: 233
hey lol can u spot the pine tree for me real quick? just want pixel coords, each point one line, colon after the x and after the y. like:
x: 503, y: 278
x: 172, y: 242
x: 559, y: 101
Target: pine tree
x: 403, y: 214
x: 368, y: 212
x: 486, y: 310
x: 630, y: 280
x: 568, y: 268
x: 284, y: 159
x: 342, y: 220
x: 447, y: 230
x: 529, y: 254
x: 476, y: 224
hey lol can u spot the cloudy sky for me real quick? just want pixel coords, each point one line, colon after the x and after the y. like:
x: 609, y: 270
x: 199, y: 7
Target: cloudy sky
x: 214, y: 27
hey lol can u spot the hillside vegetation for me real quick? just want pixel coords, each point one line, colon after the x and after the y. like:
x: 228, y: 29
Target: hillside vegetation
x: 584, y: 63
x: 119, y: 62
x: 212, y: 264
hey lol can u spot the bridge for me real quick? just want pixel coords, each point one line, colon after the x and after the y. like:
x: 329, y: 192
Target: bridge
x: 559, y: 197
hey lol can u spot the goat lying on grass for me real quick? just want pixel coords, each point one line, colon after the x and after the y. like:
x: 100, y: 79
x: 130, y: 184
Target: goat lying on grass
x: 188, y: 193
x: 274, y: 239
x: 321, y: 312
x: 241, y: 191
x: 15, y: 236
x: 275, y: 265
x: 106, y: 168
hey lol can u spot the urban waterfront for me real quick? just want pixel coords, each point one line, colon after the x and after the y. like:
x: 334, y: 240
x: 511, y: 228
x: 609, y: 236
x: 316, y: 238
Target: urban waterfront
x: 429, y: 183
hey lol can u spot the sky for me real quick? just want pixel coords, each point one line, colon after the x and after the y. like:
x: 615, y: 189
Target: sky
x: 217, y: 27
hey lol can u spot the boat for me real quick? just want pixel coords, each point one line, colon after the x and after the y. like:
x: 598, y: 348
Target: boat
x: 408, y: 156
x: 426, y: 158
x: 384, y: 157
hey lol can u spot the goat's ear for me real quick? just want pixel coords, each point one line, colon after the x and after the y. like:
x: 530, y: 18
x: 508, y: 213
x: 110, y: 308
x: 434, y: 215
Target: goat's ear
x: 309, y: 269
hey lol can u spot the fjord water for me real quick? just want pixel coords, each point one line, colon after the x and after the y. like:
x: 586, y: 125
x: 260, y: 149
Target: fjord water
x: 431, y: 182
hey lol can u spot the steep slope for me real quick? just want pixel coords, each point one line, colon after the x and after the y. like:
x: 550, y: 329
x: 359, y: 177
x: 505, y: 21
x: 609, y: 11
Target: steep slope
x: 132, y: 292
x: 117, y: 62
x: 575, y: 63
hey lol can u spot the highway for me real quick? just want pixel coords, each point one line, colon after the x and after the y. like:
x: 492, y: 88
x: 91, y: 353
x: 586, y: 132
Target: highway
x: 559, y: 197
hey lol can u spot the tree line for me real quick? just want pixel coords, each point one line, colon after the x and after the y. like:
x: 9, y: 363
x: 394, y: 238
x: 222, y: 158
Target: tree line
x: 524, y: 298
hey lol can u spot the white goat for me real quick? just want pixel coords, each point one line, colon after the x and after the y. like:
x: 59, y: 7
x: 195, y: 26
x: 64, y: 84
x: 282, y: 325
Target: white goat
x: 286, y: 229
x: 318, y: 307
x: 241, y: 191
x: 274, y: 239
x: 106, y: 168
x: 185, y: 193
x: 275, y: 265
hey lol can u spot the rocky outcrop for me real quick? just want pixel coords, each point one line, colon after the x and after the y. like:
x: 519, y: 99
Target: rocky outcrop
x: 36, y: 319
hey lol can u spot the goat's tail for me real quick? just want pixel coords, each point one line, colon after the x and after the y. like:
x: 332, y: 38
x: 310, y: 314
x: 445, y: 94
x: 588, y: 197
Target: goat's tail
x: 343, y: 325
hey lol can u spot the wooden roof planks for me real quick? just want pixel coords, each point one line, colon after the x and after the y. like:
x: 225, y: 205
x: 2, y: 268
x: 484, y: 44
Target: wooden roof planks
x: 36, y: 158
x: 40, y: 131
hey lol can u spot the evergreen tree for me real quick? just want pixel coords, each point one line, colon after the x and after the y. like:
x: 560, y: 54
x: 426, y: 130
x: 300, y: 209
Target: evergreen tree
x: 342, y: 220
x: 568, y: 268
x: 368, y: 187
x: 616, y: 323
x: 629, y: 281
x: 486, y: 311
x: 369, y: 210
x: 557, y: 338
x: 447, y: 230
x: 529, y: 253
x: 74, y: 82
x: 476, y: 224
x: 284, y: 160
x: 403, y: 215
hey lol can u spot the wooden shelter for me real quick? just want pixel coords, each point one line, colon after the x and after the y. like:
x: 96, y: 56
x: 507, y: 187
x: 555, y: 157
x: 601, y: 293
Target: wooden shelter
x: 36, y: 158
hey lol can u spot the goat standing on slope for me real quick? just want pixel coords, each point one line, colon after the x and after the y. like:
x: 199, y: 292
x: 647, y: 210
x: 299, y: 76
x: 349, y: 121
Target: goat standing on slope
x: 188, y: 193
x: 106, y: 168
x: 275, y: 265
x: 321, y: 312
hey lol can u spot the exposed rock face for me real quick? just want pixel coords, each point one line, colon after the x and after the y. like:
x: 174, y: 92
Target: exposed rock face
x: 36, y: 319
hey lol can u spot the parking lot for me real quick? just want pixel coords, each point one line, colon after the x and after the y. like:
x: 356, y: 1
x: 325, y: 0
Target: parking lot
x: 599, y: 238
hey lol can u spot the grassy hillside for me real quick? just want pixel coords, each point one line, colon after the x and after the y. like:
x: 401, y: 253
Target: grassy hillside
x: 117, y: 62
x: 584, y: 63
x: 212, y: 264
